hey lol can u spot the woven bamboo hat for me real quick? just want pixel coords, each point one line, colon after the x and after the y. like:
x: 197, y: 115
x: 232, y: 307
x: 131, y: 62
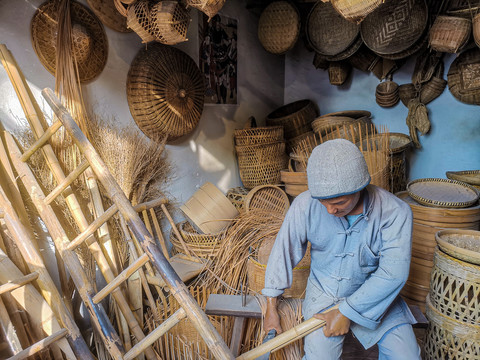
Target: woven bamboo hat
x: 165, y: 92
x: 109, y: 15
x: 90, y: 45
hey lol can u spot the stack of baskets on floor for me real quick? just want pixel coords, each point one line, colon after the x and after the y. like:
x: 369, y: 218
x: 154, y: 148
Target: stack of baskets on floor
x: 453, y: 302
x: 261, y: 155
x: 427, y: 221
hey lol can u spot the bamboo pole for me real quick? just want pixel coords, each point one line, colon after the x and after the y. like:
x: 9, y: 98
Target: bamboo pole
x: 60, y: 239
x: 16, y: 283
x: 47, y: 286
x: 32, y: 302
x: 39, y: 346
x: 285, y: 338
x: 67, y: 182
x: 195, y: 314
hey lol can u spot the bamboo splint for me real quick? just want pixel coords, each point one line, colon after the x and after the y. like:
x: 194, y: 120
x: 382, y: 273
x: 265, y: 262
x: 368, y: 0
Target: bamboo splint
x: 32, y: 302
x: 194, y: 313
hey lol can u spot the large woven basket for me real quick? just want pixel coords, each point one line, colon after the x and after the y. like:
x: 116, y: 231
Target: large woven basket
x: 463, y: 78
x: 208, y: 7
x: 165, y: 92
x: 267, y: 197
x: 349, y: 130
x: 201, y: 245
x: 258, y: 135
x: 328, y: 32
x: 449, y: 33
x: 279, y: 27
x: 295, y: 117
x: 448, y: 339
x: 355, y: 10
x: 237, y: 197
x: 170, y: 20
x: 138, y: 19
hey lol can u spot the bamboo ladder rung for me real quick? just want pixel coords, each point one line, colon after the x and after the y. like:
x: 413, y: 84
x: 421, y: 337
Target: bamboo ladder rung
x: 67, y: 182
x: 173, y: 320
x: 40, y: 345
x: 15, y: 284
x: 42, y: 140
x: 123, y: 276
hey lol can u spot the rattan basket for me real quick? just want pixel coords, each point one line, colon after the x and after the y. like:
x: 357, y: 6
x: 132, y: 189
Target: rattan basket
x: 170, y: 20
x: 208, y: 7
x: 295, y: 117
x: 237, y: 196
x: 279, y: 27
x: 449, y: 33
x: 476, y: 29
x: 407, y: 92
x: 348, y: 130
x: 448, y: 339
x: 355, y: 10
x: 463, y: 79
x: 262, y: 172
x: 258, y: 135
x: 267, y: 197
x: 139, y: 19
x: 201, y: 245
x: 432, y: 89
x: 460, y: 244
x: 386, y: 94
x: 325, y: 123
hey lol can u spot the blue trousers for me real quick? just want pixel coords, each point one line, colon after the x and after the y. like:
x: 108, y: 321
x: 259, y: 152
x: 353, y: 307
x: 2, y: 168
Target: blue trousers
x: 399, y: 343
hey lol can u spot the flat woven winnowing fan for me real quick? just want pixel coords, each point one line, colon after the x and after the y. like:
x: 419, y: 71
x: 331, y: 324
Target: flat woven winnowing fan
x: 165, y: 92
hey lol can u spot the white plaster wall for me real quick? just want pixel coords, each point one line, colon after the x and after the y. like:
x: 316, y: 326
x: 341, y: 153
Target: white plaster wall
x: 206, y: 154
x: 453, y: 142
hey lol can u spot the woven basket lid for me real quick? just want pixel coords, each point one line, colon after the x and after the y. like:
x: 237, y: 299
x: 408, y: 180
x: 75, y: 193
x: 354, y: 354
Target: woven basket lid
x: 279, y: 27
x: 471, y: 177
x: 464, y: 77
x: 442, y: 193
x: 165, y: 92
x: 394, y: 26
x: 90, y: 45
x: 109, y: 15
x: 328, y: 32
x: 419, y: 45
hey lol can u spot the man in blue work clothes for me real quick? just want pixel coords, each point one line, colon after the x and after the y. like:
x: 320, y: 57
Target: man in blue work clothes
x: 360, y: 239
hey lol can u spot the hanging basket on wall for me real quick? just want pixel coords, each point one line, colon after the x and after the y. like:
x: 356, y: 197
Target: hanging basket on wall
x: 464, y: 77
x: 109, y: 15
x: 90, y: 46
x: 449, y: 33
x: 138, y: 19
x: 165, y: 92
x: 170, y: 21
x: 355, y: 10
x: 208, y: 7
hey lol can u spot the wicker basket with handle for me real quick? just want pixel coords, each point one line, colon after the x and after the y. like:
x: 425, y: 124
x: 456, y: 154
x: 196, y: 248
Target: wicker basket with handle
x: 449, y: 33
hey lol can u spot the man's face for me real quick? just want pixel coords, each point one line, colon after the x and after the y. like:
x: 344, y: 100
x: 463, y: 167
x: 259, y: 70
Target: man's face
x: 342, y: 205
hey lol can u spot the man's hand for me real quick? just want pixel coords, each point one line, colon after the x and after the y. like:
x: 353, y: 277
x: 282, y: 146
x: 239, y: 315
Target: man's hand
x: 272, y: 319
x: 336, y: 323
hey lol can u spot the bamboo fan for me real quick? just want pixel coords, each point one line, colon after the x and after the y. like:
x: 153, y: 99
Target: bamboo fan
x: 165, y: 92
x: 90, y: 45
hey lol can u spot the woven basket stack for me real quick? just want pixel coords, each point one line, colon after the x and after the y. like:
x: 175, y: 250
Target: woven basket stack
x: 427, y: 221
x: 260, y: 154
x: 453, y: 301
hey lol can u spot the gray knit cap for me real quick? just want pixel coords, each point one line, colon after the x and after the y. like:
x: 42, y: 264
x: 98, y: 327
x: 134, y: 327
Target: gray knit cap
x: 336, y: 168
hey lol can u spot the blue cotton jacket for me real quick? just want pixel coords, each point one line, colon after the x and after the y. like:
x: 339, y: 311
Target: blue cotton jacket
x: 362, y: 267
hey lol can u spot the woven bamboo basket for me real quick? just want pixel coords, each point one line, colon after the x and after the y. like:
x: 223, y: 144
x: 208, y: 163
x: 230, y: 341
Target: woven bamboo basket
x: 463, y: 79
x: 208, y: 7
x: 461, y: 244
x: 455, y: 288
x: 201, y: 245
x: 209, y: 209
x: 386, y: 94
x: 338, y: 72
x: 295, y: 117
x: 258, y: 135
x: 324, y: 124
x: 267, y: 197
x: 170, y: 20
x: 447, y: 338
x: 107, y: 12
x: 351, y: 130
x: 309, y: 136
x: 295, y: 182
x: 237, y: 197
x: 449, y: 33
x: 471, y: 177
x: 279, y: 27
x: 139, y: 19
x: 262, y: 172
x: 259, y: 152
x: 476, y: 29
x: 256, y: 278
x: 355, y: 10
x: 407, y: 92
x: 432, y: 89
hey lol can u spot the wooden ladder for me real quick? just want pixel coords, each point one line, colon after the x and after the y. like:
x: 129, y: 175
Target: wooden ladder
x: 189, y: 307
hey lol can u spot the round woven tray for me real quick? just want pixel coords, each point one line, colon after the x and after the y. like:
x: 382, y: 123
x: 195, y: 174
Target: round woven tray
x: 279, y: 27
x: 165, y: 92
x: 108, y: 15
x: 90, y: 48
x: 463, y: 78
x: 395, y: 26
x: 471, y: 177
x: 461, y: 244
x: 355, y: 10
x: 420, y: 44
x: 442, y: 192
x: 295, y: 117
x: 267, y: 197
x: 328, y: 32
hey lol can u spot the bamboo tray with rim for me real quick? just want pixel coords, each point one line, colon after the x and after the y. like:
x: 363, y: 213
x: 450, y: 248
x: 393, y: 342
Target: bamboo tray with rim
x: 461, y: 244
x: 471, y: 177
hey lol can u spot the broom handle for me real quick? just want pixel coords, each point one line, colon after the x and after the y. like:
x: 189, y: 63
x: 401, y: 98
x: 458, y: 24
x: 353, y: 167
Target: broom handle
x: 287, y: 337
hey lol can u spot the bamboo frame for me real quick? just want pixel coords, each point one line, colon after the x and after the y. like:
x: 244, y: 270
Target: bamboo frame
x: 198, y: 318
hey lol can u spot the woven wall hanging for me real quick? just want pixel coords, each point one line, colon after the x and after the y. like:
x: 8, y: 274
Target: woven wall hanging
x: 165, y: 92
x: 90, y: 45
